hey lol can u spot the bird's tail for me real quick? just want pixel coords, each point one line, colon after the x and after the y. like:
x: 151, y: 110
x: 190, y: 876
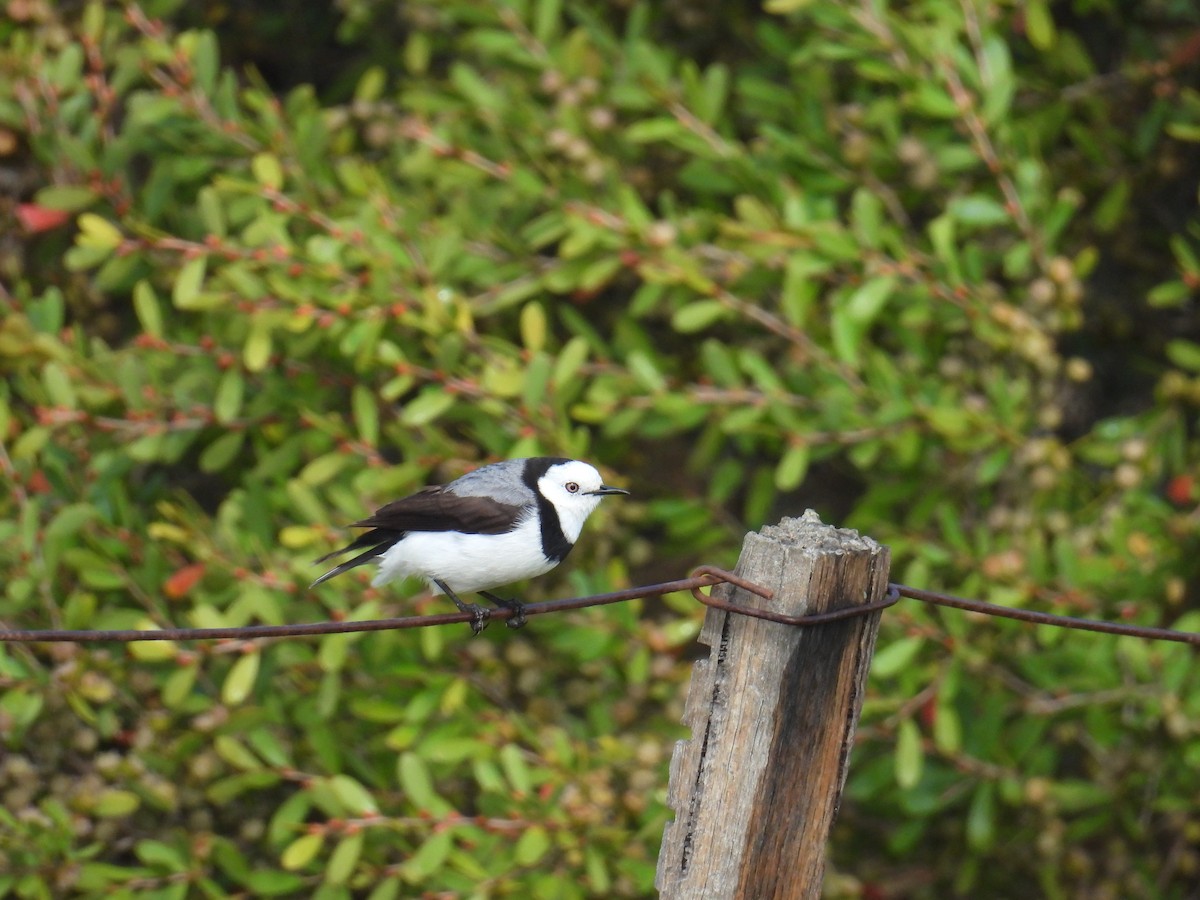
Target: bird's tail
x: 377, y: 540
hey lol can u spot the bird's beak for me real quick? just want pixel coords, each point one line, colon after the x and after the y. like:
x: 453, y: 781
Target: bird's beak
x: 604, y: 490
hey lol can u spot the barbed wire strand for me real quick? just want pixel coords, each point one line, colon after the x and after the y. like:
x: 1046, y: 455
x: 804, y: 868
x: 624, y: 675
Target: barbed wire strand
x: 704, y: 576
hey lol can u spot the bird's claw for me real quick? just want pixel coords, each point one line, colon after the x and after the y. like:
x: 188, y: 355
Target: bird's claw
x: 516, y: 607
x: 517, y: 619
x: 481, y: 616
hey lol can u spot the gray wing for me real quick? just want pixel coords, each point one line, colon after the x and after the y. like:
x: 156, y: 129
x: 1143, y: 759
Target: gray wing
x: 502, y: 481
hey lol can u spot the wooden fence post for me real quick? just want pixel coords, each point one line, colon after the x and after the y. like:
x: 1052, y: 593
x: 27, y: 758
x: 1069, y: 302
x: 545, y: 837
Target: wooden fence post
x: 772, y: 712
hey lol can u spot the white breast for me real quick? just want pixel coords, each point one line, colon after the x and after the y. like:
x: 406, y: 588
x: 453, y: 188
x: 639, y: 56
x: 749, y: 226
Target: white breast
x: 467, y: 562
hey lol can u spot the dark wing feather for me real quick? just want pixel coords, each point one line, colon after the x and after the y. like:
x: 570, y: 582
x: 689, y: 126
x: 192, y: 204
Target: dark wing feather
x: 436, y: 509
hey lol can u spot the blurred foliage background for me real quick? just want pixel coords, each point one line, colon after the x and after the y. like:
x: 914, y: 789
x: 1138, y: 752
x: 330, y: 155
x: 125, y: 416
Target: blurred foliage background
x: 928, y: 267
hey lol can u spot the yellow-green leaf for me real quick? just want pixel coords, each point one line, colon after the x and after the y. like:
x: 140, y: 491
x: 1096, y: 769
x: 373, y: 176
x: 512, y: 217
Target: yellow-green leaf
x: 257, y: 351
x: 533, y: 327
x: 145, y: 304
x: 300, y: 852
x: 152, y: 651
x: 188, y: 281
x: 240, y: 680
x: 267, y: 171
x: 295, y: 537
x: 113, y: 803
x: 96, y: 231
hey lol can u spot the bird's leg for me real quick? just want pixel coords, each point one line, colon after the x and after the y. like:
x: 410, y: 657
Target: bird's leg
x: 480, y: 614
x: 517, y: 620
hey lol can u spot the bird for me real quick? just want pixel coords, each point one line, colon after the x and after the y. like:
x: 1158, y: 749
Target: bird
x: 503, y: 522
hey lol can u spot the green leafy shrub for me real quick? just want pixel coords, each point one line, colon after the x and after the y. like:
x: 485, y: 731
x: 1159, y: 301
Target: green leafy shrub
x: 924, y: 269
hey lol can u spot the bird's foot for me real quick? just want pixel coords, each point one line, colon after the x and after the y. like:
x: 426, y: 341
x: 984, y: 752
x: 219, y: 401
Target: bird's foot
x: 480, y: 615
x: 517, y: 619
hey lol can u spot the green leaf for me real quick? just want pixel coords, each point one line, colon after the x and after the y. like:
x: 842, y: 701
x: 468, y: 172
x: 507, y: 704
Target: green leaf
x: 235, y: 753
x: 547, y: 16
x: 430, y: 857
x: 366, y: 414
x: 152, y: 651
x: 323, y: 468
x: 344, y: 859
x: 642, y: 367
x: 187, y: 282
x: 427, y: 406
x: 257, y: 351
x: 1039, y: 25
x: 62, y: 529
x: 228, y: 400
x: 353, y: 796
x: 112, y: 803
x: 533, y: 327
x: 697, y: 316
x: 981, y: 817
x: 868, y: 301
x: 516, y: 769
x: 240, y: 680
x: 790, y: 472
x: 98, y: 232
x: 476, y: 89
x: 212, y: 213
x: 1185, y: 354
x: 896, y: 656
x: 910, y: 757
x: 388, y: 889
x: 416, y: 782
x: 164, y: 856
x: 302, y: 851
x: 145, y: 304
x: 978, y: 210
x: 370, y: 85
x: 267, y: 171
x: 221, y: 452
x: 532, y: 846
x: 652, y: 130
x: 65, y: 197
x: 570, y: 360
x: 58, y: 385
x: 947, y: 729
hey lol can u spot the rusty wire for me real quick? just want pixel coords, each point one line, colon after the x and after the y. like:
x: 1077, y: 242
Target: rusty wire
x: 1042, y: 618
x: 707, y: 576
x: 704, y: 576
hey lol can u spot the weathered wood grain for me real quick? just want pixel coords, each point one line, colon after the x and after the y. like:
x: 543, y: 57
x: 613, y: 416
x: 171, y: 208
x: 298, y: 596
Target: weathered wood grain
x: 772, y: 713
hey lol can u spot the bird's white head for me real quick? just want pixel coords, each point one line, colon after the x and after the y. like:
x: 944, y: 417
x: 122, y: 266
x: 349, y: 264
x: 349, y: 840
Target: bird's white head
x: 575, y: 489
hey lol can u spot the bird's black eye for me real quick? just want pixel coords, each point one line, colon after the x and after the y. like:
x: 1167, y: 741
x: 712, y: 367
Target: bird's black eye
x: 572, y: 487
